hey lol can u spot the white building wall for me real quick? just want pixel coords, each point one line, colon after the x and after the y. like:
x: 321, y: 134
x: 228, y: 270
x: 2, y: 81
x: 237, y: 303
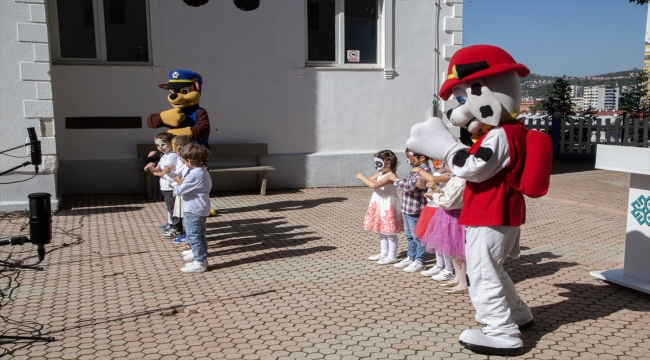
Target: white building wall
x: 25, y: 100
x: 321, y: 127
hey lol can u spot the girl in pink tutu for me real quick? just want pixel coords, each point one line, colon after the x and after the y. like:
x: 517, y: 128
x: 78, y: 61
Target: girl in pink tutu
x: 383, y: 215
x: 440, y: 178
x: 447, y: 235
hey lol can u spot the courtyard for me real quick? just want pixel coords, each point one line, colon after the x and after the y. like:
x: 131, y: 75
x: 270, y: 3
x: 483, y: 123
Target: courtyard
x: 288, y: 278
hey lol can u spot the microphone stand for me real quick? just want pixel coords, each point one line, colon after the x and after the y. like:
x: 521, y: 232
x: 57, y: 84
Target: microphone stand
x: 20, y: 240
x: 19, y: 166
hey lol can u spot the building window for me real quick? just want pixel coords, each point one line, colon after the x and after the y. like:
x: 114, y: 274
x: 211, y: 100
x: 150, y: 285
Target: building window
x: 100, y: 31
x: 342, y: 32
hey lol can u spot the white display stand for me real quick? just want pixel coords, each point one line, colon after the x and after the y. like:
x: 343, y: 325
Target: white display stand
x: 635, y: 273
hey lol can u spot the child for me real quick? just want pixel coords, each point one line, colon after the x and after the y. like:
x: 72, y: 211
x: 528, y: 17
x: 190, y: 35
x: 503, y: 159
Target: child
x: 382, y: 216
x: 195, y: 189
x: 180, y: 170
x: 448, y: 235
x: 162, y: 170
x: 439, y: 180
x: 413, y: 201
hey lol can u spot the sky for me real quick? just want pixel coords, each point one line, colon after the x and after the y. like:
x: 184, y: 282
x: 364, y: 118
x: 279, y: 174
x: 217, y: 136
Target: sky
x: 561, y: 37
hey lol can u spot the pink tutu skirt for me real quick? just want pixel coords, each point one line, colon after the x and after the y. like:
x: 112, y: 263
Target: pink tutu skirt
x: 445, y: 234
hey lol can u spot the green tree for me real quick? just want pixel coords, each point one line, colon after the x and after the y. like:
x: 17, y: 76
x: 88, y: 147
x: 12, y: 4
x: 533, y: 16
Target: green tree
x: 560, y: 100
x: 535, y: 108
x: 636, y: 101
x: 639, y: 2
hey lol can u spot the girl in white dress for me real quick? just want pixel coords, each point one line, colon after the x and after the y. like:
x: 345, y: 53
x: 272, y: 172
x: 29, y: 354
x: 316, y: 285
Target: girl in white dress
x: 383, y: 215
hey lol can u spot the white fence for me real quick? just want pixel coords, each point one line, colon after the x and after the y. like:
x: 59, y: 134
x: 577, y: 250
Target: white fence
x: 539, y: 123
x: 580, y: 135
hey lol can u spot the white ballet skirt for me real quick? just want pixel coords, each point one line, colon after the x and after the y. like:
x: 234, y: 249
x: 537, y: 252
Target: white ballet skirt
x: 383, y: 215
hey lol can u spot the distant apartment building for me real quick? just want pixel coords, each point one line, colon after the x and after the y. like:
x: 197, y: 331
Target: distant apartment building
x: 601, y: 97
x: 526, y: 104
x: 576, y: 91
x: 577, y: 103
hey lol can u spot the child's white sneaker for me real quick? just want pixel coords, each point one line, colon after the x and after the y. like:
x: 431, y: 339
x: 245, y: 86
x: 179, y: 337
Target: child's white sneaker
x: 189, y: 257
x: 415, y: 266
x: 444, y: 275
x: 187, y: 252
x: 196, y: 267
x: 433, y: 271
x: 386, y: 261
x: 404, y: 263
x: 375, y: 257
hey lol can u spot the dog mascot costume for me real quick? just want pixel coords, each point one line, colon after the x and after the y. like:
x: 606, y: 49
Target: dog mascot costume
x: 494, y: 207
x: 185, y: 117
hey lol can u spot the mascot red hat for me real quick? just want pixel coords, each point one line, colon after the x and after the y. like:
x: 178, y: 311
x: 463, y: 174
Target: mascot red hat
x: 478, y: 61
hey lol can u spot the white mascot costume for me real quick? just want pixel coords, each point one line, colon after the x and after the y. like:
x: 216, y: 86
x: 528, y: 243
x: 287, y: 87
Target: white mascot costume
x: 494, y: 207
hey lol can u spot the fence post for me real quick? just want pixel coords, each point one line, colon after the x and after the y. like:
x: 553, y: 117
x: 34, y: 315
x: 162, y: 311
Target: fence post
x: 555, y: 136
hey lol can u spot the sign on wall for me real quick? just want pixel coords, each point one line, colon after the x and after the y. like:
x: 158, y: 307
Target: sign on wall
x: 353, y: 55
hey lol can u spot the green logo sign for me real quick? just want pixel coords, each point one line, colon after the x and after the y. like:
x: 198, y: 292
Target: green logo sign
x: 641, y: 210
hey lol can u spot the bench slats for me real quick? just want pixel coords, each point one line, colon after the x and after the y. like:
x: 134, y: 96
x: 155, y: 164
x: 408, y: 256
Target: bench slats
x: 222, y: 150
x: 255, y: 169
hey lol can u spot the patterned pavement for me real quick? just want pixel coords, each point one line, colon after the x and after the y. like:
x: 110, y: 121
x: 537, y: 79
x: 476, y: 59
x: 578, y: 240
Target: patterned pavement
x: 288, y: 279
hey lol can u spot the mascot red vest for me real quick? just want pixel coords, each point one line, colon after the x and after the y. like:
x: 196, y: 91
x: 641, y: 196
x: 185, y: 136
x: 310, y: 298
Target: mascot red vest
x: 485, y: 80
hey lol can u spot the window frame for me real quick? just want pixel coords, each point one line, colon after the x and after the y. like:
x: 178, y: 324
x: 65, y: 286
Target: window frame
x: 385, y: 41
x: 339, y: 40
x: 101, y: 53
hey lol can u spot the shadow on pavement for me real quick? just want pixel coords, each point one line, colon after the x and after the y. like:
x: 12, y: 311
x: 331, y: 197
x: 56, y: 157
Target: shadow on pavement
x: 529, y: 266
x: 256, y: 235
x: 566, y: 167
x: 97, y: 210
x: 284, y: 205
x: 584, y: 302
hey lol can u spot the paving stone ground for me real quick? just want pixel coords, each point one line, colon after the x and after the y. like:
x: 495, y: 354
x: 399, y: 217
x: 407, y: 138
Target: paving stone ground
x: 288, y: 279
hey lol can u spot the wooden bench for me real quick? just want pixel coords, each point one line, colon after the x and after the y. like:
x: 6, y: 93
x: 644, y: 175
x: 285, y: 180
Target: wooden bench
x: 220, y: 151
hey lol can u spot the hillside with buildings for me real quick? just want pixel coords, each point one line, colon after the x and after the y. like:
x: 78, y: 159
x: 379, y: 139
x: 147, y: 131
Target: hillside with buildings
x: 539, y: 86
x: 597, y: 92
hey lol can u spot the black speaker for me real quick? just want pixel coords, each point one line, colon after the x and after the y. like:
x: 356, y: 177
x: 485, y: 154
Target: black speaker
x: 40, y: 221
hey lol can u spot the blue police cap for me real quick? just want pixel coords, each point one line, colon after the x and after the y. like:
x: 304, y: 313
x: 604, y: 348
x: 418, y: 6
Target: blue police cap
x: 181, y: 78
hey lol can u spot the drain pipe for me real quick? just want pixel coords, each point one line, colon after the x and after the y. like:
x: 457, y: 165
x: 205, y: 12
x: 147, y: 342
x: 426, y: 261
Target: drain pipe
x: 436, y: 50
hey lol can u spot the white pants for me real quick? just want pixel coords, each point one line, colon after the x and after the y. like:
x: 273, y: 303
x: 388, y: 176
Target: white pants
x: 491, y: 290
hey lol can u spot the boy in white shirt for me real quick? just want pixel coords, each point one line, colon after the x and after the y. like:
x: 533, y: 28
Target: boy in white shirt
x: 165, y: 166
x: 178, y: 172
x: 195, y: 190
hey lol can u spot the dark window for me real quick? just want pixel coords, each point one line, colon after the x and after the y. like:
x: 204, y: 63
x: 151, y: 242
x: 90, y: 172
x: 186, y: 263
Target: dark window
x: 77, y: 29
x: 321, y: 15
x: 361, y: 29
x: 125, y: 37
x: 101, y: 122
x: 126, y: 30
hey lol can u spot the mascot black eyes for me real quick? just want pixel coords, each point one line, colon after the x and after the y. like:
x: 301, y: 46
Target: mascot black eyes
x: 505, y: 163
x: 185, y: 117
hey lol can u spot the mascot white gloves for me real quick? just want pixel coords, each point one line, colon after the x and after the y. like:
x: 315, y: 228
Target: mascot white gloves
x: 433, y: 139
